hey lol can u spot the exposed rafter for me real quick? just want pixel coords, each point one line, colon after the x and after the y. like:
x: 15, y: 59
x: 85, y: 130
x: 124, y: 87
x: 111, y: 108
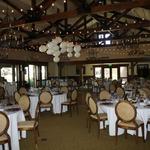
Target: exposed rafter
x: 13, y: 6
x: 75, y: 13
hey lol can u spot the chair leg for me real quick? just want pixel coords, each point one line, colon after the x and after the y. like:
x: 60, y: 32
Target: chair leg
x: 35, y: 137
x: 9, y: 145
x: 89, y: 125
x: 142, y: 128
x: 103, y: 124
x: 98, y: 127
x: 116, y: 134
x: 137, y: 133
x: 87, y: 122
x: 77, y: 108
x: 3, y: 146
x: 125, y: 134
x: 38, y: 131
x: 61, y: 109
x: 70, y: 108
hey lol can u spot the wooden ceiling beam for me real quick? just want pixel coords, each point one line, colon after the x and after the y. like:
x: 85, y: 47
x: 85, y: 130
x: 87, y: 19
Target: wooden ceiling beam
x: 75, y: 13
x: 13, y: 6
x: 44, y: 5
x: 33, y: 4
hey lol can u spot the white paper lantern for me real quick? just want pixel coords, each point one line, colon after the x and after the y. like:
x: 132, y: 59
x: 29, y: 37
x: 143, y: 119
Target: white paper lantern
x: 42, y: 48
x: 77, y: 54
x: 56, y: 48
x: 69, y: 54
x: 62, y: 50
x: 56, y: 59
x: 49, y: 52
x: 77, y: 48
x: 69, y: 49
x: 59, y: 39
x: 50, y: 44
x: 56, y: 53
x: 70, y: 44
x: 63, y: 45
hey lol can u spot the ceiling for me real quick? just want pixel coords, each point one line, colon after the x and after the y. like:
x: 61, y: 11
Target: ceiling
x: 29, y: 23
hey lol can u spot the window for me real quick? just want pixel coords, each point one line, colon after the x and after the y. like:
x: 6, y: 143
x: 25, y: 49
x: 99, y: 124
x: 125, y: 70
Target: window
x: 98, y: 72
x: 6, y: 72
x: 106, y: 73
x: 104, y: 37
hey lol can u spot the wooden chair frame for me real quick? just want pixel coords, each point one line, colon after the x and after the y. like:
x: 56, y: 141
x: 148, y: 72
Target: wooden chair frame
x: 132, y: 120
x: 4, y: 132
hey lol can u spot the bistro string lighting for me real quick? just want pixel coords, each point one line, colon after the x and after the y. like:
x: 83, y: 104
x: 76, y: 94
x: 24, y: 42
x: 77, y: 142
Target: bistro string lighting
x: 57, y: 47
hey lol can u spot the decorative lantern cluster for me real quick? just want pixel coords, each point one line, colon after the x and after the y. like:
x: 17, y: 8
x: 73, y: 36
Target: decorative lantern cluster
x: 57, y: 47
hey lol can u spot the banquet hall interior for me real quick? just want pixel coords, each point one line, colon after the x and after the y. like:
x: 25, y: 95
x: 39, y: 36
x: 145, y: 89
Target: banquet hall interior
x: 74, y: 74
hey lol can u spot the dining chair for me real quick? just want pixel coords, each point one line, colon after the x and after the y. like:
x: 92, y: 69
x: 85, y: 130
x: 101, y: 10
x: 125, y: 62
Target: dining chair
x: 2, y: 92
x: 120, y: 92
x: 24, y: 103
x: 95, y: 116
x: 71, y: 102
x: 45, y: 100
x: 4, y: 125
x: 64, y: 89
x: 22, y: 91
x: 112, y: 88
x: 126, y: 118
x: 31, y: 125
x: 88, y: 94
x: 17, y: 97
x: 104, y: 95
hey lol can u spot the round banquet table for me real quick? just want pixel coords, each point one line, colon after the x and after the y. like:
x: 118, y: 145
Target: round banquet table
x: 14, y: 118
x: 57, y: 100
x: 143, y: 114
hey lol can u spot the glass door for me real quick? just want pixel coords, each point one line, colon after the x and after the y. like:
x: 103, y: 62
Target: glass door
x: 98, y: 72
x: 107, y: 73
x: 114, y: 73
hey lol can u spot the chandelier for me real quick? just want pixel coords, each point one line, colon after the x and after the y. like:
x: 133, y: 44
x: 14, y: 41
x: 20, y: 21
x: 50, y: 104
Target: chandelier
x: 57, y: 47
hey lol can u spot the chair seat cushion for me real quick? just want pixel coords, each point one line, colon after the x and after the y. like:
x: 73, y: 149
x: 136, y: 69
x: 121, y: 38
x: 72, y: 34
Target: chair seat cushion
x: 101, y: 116
x: 130, y: 124
x: 68, y: 102
x: 3, y: 138
x: 27, y: 124
x: 46, y: 105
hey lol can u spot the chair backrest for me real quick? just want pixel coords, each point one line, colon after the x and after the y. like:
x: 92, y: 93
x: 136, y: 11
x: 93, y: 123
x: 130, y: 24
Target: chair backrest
x: 22, y: 91
x: 87, y: 97
x: 125, y: 111
x: 104, y: 95
x: 45, y: 97
x: 120, y: 92
x: 2, y: 93
x: 16, y: 96
x: 37, y: 112
x: 46, y: 89
x: 24, y: 103
x: 74, y: 95
x: 92, y: 106
x: 112, y: 88
x: 4, y: 123
x: 64, y: 89
x: 142, y: 93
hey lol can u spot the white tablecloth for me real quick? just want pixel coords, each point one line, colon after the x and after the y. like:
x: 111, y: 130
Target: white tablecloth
x: 14, y: 117
x: 57, y: 100
x: 143, y: 114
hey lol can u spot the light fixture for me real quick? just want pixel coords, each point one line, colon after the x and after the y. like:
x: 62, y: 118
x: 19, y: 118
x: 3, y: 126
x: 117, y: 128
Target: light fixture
x: 57, y: 47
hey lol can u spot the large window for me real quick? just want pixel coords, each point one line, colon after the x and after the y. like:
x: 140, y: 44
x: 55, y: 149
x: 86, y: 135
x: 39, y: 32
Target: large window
x: 6, y: 72
x: 104, y: 38
x: 98, y: 72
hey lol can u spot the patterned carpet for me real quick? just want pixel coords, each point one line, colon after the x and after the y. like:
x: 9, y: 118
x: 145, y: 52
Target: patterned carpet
x: 70, y: 133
